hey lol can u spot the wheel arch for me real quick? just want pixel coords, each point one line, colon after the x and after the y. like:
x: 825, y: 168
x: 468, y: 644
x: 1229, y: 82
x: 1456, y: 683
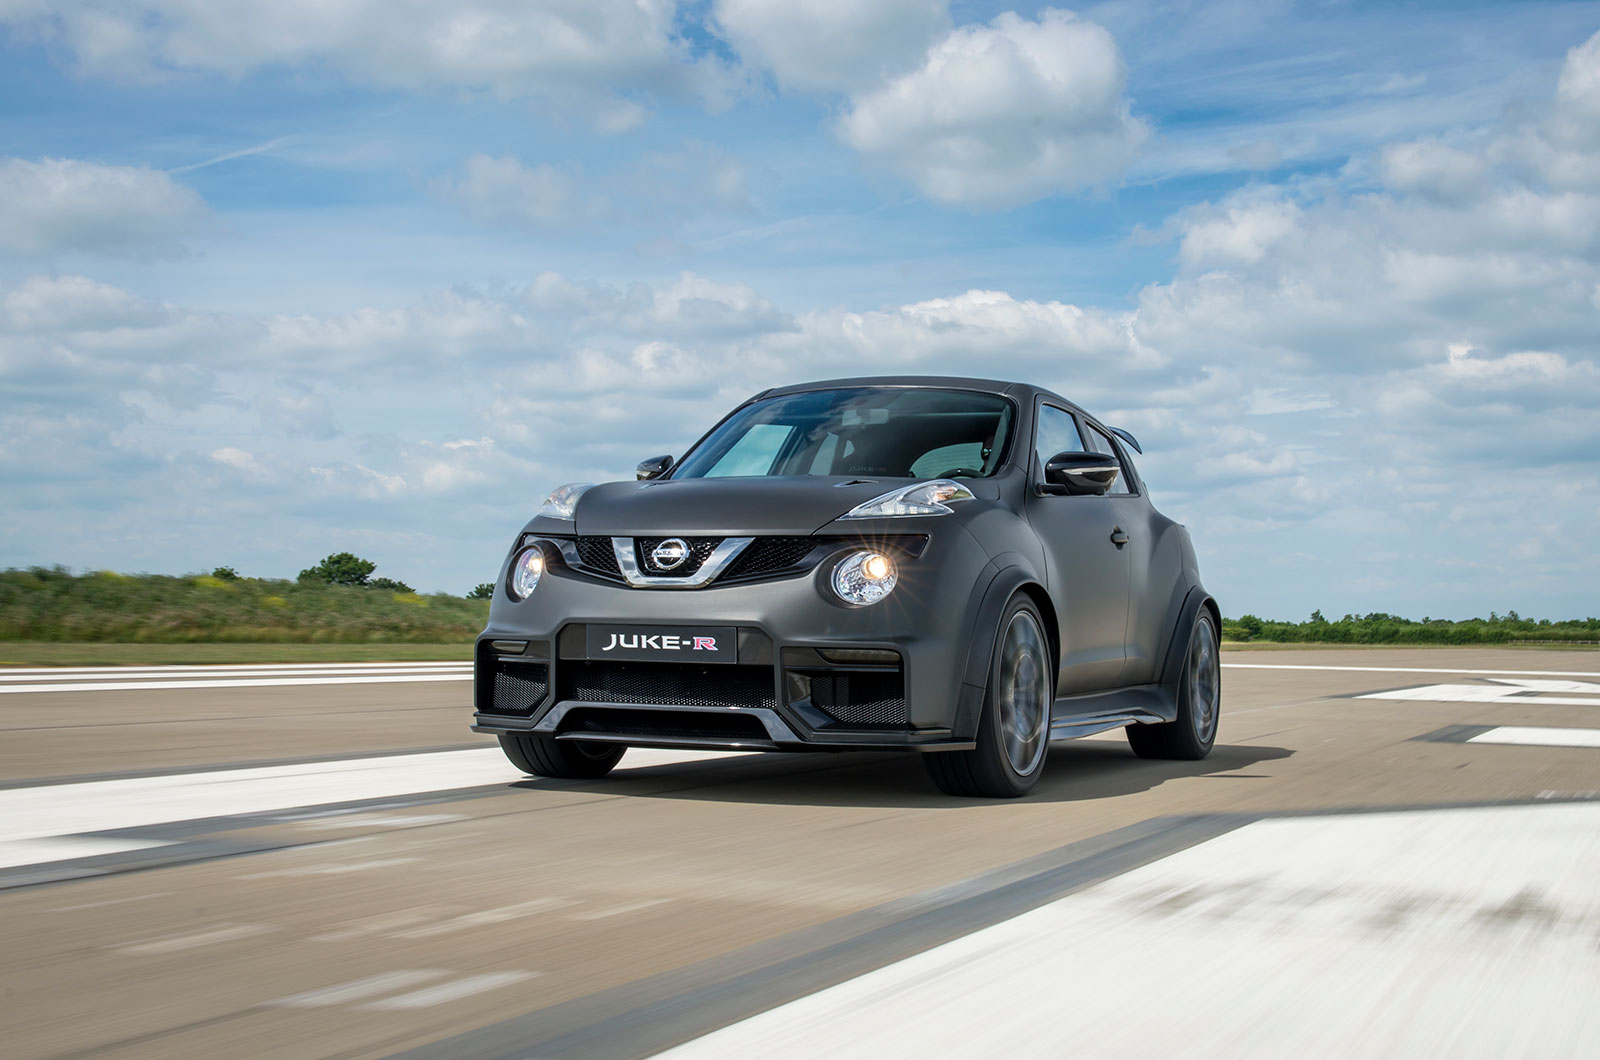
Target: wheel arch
x: 1011, y: 576
x: 1183, y: 620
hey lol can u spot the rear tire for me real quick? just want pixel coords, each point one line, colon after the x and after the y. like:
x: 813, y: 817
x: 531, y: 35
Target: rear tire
x: 1191, y: 736
x: 545, y: 756
x: 1014, y: 728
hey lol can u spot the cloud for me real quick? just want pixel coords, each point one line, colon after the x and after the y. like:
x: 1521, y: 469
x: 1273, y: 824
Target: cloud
x: 832, y: 45
x: 1004, y: 113
x: 569, y: 50
x: 503, y: 190
x: 58, y: 204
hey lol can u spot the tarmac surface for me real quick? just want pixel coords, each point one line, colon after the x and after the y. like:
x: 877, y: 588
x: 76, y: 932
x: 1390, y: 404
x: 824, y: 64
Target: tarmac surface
x: 1389, y: 853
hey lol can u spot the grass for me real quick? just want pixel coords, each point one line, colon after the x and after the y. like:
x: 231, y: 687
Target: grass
x: 45, y: 604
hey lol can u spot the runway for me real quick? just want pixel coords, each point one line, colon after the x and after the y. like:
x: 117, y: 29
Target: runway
x: 1389, y: 853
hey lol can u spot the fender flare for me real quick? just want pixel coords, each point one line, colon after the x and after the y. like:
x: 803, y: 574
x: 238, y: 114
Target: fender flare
x: 1010, y: 575
x: 1183, y: 625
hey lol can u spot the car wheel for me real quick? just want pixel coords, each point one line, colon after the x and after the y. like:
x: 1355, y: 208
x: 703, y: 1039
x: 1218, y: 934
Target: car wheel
x: 1194, y: 731
x: 1014, y: 728
x: 545, y: 756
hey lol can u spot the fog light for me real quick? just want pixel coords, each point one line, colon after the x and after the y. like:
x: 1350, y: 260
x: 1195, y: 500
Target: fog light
x: 864, y: 577
x: 525, y: 572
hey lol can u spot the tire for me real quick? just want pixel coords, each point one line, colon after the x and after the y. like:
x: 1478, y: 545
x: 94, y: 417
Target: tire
x: 1191, y: 736
x: 544, y: 756
x: 1014, y: 728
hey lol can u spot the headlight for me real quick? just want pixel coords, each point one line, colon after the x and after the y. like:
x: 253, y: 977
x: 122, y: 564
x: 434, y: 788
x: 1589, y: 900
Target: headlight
x: 925, y: 498
x: 563, y: 500
x: 864, y: 577
x: 525, y: 572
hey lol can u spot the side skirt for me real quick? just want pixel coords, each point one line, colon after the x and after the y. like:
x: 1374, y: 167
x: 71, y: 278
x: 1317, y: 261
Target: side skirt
x: 1087, y: 714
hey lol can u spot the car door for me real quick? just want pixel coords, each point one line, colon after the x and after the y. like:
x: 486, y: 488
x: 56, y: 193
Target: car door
x: 1150, y: 559
x: 1085, y: 571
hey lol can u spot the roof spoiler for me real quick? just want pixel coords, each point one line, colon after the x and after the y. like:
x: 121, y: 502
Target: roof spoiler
x: 1130, y: 439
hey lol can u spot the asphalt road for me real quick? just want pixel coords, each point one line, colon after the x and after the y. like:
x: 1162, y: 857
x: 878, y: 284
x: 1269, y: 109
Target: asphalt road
x: 1389, y: 853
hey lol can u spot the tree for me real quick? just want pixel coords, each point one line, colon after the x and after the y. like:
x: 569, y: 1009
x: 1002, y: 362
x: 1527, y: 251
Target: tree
x: 481, y: 591
x: 341, y: 568
x: 390, y: 584
x: 226, y: 574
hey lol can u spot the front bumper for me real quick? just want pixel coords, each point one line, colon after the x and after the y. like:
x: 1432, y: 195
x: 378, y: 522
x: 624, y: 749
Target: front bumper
x: 789, y: 690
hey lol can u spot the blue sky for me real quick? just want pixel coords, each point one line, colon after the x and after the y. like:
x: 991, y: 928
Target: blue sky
x: 280, y: 280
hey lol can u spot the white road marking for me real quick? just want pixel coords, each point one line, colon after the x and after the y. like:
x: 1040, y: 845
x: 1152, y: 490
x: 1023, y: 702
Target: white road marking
x: 619, y: 910
x: 216, y: 668
x: 246, y: 682
x: 359, y: 989
x: 483, y: 917
x: 379, y: 820
x: 336, y: 868
x: 176, y: 672
x: 53, y: 810
x: 453, y: 991
x: 65, y: 848
x: 1404, y: 670
x: 1463, y: 933
x: 1537, y: 736
x: 1503, y: 690
x: 227, y: 933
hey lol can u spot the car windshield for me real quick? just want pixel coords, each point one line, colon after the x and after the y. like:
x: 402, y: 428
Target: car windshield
x: 893, y: 432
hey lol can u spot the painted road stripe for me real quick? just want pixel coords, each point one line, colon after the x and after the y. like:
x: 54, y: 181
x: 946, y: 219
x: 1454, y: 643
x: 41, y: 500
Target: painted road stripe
x: 262, y: 682
x: 51, y: 810
x: 1429, y: 933
x: 66, y: 848
x: 1538, y: 736
x: 1405, y: 670
x: 1503, y: 690
x: 224, y: 667
x: 359, y: 989
x: 97, y: 678
x: 453, y: 991
x: 179, y: 943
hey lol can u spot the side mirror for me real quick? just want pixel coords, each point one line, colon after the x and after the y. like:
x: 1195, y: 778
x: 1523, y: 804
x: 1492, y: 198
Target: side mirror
x: 1080, y: 473
x: 655, y: 467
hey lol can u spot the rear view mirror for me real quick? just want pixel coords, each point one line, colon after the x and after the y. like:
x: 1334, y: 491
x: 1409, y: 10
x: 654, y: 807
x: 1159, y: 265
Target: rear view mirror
x: 1080, y: 473
x: 654, y: 467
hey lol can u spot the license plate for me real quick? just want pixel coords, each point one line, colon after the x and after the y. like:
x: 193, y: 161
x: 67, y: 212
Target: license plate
x: 690, y: 644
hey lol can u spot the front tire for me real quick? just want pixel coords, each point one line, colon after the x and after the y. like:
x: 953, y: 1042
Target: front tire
x: 545, y: 756
x: 1190, y: 737
x: 1014, y: 728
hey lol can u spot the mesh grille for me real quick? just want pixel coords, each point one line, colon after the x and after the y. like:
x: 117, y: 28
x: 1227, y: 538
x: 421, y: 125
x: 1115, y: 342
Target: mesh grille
x: 597, y: 553
x: 700, y: 549
x: 518, y: 688
x: 861, y: 699
x: 668, y: 683
x: 767, y: 554
x: 664, y: 724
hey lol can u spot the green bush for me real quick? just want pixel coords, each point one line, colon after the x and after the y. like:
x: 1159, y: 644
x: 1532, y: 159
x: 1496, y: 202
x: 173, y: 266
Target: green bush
x: 1380, y: 628
x: 481, y: 591
x: 53, y: 604
x: 341, y: 568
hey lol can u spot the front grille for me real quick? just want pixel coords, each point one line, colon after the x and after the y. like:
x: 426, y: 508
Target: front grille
x: 667, y: 683
x: 597, y: 554
x: 700, y: 549
x: 518, y: 688
x: 875, y: 699
x: 765, y: 555
x: 664, y: 724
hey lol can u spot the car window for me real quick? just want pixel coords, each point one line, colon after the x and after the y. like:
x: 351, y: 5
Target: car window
x: 903, y: 432
x: 754, y: 453
x: 1057, y: 433
x: 1099, y: 442
x: 966, y: 457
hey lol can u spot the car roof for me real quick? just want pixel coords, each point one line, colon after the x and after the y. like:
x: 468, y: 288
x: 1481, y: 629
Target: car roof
x: 1021, y: 391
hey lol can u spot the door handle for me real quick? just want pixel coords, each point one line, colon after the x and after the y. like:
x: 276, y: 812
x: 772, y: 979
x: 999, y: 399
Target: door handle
x: 1118, y: 538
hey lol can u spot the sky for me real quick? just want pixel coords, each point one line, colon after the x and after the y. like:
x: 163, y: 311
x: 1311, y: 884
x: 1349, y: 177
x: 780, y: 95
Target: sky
x: 280, y: 280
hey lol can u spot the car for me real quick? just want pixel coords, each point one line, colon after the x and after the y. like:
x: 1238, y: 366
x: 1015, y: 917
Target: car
x: 962, y: 568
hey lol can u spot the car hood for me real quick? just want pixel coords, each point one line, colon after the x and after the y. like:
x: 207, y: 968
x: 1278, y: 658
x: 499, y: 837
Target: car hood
x: 723, y: 506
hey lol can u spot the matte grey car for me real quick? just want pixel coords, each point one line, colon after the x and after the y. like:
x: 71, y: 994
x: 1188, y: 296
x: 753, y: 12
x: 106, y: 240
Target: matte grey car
x: 963, y: 568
